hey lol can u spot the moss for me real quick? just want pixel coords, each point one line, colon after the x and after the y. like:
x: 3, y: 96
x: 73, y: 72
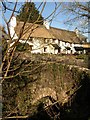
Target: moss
x: 81, y: 56
x: 54, y: 70
x: 23, y: 101
x: 61, y: 68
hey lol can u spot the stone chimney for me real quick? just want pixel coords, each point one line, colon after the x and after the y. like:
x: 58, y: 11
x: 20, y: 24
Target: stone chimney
x: 12, y: 25
x: 13, y: 21
x: 77, y: 32
x: 46, y: 24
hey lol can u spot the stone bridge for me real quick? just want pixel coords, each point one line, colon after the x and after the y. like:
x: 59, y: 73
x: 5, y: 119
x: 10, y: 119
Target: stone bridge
x: 55, y: 80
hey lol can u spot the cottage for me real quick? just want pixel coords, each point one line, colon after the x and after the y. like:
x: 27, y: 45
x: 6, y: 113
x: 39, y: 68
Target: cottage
x: 46, y: 39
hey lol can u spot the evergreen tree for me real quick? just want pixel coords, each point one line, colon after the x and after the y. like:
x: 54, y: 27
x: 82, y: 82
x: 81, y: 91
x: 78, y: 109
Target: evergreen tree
x: 29, y: 13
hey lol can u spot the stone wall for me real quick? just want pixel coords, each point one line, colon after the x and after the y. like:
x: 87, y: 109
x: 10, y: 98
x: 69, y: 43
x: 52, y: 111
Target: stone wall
x: 54, y: 80
x: 50, y: 78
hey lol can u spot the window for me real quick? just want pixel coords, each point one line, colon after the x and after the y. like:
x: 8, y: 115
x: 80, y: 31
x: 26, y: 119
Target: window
x: 45, y: 49
x: 59, y: 50
x: 46, y: 40
x: 30, y: 47
x: 54, y: 40
x: 31, y: 39
x: 58, y: 41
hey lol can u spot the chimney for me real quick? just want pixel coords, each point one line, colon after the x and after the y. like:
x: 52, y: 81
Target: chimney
x: 77, y: 32
x: 12, y: 25
x: 46, y: 24
x: 13, y: 21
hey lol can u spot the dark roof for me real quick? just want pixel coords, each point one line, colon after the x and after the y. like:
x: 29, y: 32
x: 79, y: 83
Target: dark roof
x: 40, y: 31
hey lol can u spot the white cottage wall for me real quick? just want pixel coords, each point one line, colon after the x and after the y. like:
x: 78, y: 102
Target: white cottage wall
x: 38, y: 45
x: 56, y: 41
x: 56, y: 51
x: 51, y: 49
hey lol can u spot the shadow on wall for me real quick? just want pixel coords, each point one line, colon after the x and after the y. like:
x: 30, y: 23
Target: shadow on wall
x: 80, y: 107
x: 78, y: 110
x: 41, y: 115
x: 89, y: 59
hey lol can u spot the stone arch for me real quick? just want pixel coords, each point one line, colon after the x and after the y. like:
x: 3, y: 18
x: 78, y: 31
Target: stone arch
x: 44, y: 92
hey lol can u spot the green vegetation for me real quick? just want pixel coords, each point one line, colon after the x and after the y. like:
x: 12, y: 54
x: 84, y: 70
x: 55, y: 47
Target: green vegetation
x: 30, y: 14
x: 54, y: 69
x: 23, y: 47
x: 82, y: 56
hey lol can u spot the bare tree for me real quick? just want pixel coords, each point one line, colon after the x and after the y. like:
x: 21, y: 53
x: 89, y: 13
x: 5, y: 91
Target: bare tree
x: 12, y: 66
x: 78, y: 14
x: 9, y: 54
